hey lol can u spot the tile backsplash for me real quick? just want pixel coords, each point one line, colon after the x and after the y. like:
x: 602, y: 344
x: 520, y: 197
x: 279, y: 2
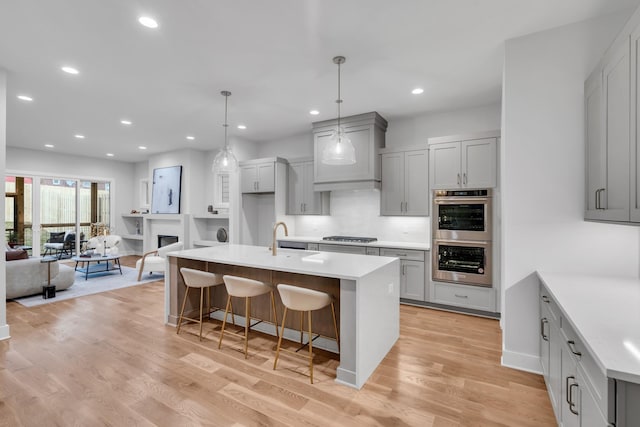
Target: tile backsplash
x: 357, y: 213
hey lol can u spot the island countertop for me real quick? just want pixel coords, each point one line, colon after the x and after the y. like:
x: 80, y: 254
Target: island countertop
x: 325, y: 264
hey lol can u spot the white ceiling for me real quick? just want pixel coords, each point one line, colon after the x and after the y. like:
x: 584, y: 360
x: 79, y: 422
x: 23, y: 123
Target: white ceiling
x: 275, y: 57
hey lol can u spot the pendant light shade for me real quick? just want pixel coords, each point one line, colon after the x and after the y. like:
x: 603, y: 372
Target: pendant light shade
x: 225, y: 161
x: 339, y: 150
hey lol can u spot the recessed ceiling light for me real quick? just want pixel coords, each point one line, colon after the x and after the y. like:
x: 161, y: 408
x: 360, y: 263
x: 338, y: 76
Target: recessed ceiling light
x: 110, y: 154
x: 70, y: 70
x: 417, y: 91
x: 142, y: 147
x: 242, y: 127
x: 191, y: 138
x: 48, y: 145
x: 314, y: 112
x: 125, y: 122
x: 25, y: 98
x: 79, y: 136
x: 148, y: 22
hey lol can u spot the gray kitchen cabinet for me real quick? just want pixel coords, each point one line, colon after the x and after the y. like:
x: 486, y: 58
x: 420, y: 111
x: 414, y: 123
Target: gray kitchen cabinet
x: 635, y: 128
x: 405, y: 183
x: 550, y: 345
x: 607, y: 129
x: 412, y: 272
x: 463, y: 161
x: 345, y: 249
x: 257, y: 177
x: 367, y: 134
x: 301, y: 198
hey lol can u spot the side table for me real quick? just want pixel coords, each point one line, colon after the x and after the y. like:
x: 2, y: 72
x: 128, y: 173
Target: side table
x: 48, y: 291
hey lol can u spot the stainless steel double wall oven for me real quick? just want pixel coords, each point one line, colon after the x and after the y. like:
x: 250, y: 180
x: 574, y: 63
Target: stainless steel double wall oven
x: 462, y: 237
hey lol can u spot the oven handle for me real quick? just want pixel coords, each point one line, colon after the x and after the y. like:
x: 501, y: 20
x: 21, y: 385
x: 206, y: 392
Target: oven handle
x: 459, y: 200
x: 462, y: 242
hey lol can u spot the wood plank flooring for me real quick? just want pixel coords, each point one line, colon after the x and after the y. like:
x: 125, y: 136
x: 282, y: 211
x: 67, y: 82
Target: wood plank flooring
x: 108, y: 359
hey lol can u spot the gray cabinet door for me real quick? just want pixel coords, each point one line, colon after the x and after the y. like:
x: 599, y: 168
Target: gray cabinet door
x: 412, y: 280
x: 635, y: 127
x: 444, y: 166
x: 295, y: 189
x: 478, y: 163
x: 248, y: 179
x: 595, y: 147
x: 393, y: 177
x: 266, y: 178
x: 416, y: 182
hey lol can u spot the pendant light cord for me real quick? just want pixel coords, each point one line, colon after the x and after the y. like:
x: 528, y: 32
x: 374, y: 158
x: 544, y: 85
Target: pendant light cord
x: 339, y: 100
x: 226, y: 125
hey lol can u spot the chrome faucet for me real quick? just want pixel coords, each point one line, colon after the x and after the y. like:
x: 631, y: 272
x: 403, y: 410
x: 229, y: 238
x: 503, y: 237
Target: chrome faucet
x: 274, y: 245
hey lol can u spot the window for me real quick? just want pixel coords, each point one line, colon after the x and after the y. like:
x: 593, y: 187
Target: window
x: 221, y: 192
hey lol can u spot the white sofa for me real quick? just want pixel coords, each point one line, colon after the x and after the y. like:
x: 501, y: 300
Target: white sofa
x: 27, y: 276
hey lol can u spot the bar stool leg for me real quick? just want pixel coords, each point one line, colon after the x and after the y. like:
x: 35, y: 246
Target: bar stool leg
x: 224, y: 321
x: 247, y: 322
x: 201, y: 303
x: 335, y: 325
x: 275, y: 313
x: 284, y: 318
x: 301, y: 326
x: 310, y: 348
x: 184, y: 302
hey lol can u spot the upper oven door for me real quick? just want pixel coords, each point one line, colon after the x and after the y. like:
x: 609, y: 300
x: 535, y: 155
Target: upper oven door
x: 467, y: 218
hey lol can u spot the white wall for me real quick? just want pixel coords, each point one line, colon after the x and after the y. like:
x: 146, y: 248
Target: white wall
x: 4, y: 327
x: 358, y: 212
x: 543, y: 177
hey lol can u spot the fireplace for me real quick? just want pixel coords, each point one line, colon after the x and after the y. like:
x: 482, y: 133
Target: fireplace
x: 164, y: 240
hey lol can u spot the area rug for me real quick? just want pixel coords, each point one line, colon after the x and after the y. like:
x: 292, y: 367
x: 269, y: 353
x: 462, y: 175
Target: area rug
x: 98, y: 282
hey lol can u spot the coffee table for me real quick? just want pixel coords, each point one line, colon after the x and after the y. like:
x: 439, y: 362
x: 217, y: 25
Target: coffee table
x: 101, y: 265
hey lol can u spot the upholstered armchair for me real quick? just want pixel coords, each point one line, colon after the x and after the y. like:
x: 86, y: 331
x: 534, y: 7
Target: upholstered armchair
x: 61, y: 243
x: 156, y: 260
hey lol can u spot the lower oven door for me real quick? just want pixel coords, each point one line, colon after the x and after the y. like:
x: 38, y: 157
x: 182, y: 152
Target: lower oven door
x: 462, y: 261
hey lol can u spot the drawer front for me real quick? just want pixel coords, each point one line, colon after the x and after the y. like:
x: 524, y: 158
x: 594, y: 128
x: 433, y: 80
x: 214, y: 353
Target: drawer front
x: 312, y: 246
x: 403, y: 254
x: 598, y: 382
x: 373, y: 251
x: 345, y: 249
x: 549, y: 302
x: 464, y: 296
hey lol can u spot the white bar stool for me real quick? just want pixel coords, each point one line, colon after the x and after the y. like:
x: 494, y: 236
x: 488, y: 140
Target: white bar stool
x: 198, y: 279
x: 304, y: 300
x: 242, y: 287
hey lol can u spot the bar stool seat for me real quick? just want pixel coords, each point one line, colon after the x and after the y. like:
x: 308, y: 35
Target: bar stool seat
x: 198, y: 279
x: 304, y: 300
x: 242, y: 287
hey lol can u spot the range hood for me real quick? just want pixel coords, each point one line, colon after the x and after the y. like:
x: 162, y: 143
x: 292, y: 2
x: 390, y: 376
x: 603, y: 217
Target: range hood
x: 367, y: 134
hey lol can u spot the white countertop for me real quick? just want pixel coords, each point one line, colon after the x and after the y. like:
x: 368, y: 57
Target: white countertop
x: 605, y: 311
x: 324, y: 264
x: 420, y: 246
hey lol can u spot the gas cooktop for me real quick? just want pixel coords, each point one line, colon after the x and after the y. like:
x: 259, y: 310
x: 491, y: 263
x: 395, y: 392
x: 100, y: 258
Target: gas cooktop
x: 352, y: 239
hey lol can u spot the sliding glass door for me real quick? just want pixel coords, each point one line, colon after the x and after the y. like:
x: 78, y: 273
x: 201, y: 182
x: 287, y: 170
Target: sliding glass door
x: 62, y: 206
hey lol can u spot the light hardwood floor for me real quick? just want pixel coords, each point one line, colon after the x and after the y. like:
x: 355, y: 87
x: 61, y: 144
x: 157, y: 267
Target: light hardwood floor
x: 108, y: 359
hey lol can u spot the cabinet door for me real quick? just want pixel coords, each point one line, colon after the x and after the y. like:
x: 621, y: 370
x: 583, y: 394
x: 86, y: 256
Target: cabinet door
x: 295, y: 189
x: 444, y: 166
x: 248, y: 179
x: 635, y: 127
x: 615, y: 198
x: 312, y: 200
x: 412, y: 280
x: 392, y: 192
x: 266, y: 178
x: 479, y: 163
x: 595, y: 144
x: 569, y: 400
x: 416, y: 182
x: 590, y: 415
x: 555, y: 362
x: 544, y: 341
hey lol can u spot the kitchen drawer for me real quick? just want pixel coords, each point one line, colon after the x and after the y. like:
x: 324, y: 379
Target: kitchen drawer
x: 550, y: 303
x: 345, y: 249
x: 403, y: 254
x: 373, y: 251
x: 312, y: 246
x: 464, y: 296
x: 598, y: 382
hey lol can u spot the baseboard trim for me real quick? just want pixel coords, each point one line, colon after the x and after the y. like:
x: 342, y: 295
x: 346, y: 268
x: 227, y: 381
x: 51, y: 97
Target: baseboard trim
x: 521, y: 362
x: 4, y: 332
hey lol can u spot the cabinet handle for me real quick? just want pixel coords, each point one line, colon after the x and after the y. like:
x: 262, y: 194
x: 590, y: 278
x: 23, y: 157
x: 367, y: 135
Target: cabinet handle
x: 458, y: 179
x: 305, y: 206
x: 400, y: 255
x: 543, y: 321
x: 404, y: 270
x: 401, y: 203
x: 464, y: 178
x: 572, y: 404
x: 597, y: 197
x: 461, y: 296
x: 572, y: 347
x: 545, y: 298
x: 566, y: 387
x: 406, y: 206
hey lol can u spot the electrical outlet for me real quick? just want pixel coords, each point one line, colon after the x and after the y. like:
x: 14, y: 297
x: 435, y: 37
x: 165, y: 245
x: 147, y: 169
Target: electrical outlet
x: 391, y: 288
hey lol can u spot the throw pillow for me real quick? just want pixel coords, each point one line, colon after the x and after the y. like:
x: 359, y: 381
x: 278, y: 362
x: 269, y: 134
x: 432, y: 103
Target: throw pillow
x: 16, y: 254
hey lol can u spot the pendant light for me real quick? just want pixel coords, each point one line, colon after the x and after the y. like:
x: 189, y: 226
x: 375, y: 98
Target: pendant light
x: 225, y: 161
x: 339, y: 150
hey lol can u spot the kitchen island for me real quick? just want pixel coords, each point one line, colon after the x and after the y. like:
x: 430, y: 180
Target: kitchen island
x: 367, y: 289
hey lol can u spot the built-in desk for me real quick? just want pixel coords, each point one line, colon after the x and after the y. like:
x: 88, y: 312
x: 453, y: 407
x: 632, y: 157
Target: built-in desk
x: 366, y: 287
